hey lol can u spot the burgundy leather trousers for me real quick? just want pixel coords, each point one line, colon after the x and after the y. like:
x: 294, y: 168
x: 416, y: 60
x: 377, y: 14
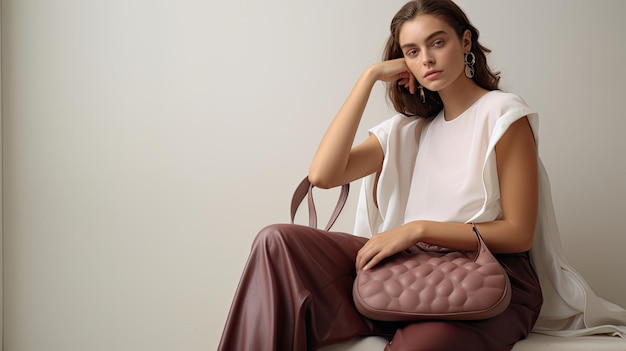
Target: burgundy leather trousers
x: 296, y: 294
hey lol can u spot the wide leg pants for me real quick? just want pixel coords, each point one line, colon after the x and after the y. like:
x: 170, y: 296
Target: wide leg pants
x: 296, y: 294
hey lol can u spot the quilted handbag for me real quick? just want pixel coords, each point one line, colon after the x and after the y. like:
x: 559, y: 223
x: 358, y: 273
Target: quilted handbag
x: 431, y: 282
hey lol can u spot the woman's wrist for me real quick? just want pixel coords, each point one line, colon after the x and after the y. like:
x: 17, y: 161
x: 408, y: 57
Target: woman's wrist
x: 416, y: 231
x: 371, y: 74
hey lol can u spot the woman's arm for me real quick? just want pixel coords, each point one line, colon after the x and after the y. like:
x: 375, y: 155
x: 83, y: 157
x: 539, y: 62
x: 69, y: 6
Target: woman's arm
x: 336, y: 162
x: 516, y: 157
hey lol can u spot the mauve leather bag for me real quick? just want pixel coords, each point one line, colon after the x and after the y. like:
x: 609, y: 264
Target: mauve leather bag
x: 430, y: 282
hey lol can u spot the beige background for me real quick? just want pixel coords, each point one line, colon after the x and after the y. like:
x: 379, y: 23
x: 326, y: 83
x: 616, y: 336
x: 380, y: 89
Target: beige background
x: 145, y: 142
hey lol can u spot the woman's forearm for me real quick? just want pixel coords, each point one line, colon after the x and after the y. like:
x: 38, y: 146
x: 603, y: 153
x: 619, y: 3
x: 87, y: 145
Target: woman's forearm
x: 331, y: 159
x: 501, y: 236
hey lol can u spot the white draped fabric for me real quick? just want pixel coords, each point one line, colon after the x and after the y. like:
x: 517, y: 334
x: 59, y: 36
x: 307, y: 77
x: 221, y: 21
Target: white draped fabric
x: 570, y: 306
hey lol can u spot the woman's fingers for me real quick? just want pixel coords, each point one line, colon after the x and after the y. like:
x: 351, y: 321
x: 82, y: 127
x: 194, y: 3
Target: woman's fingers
x: 383, y: 245
x: 407, y: 80
x: 370, y: 255
x: 374, y: 261
x: 364, y: 256
x: 412, y: 84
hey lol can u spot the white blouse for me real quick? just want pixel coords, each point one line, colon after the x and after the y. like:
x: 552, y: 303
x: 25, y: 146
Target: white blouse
x: 447, y: 184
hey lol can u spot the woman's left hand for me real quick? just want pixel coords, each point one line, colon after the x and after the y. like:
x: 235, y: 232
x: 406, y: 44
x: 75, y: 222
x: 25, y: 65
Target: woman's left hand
x: 383, y: 245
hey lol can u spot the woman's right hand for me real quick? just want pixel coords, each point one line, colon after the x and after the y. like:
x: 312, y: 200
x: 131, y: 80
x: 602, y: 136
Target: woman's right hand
x: 395, y: 70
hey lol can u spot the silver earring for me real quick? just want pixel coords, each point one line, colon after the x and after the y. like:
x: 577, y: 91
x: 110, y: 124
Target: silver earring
x: 470, y: 60
x: 422, y: 96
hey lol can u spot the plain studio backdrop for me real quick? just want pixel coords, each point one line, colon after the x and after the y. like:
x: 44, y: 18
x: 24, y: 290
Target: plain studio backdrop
x: 146, y: 142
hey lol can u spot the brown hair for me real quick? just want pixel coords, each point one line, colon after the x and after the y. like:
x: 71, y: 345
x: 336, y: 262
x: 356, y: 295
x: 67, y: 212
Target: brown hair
x: 409, y: 104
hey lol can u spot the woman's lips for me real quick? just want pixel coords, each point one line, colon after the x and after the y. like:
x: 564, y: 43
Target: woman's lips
x: 432, y: 74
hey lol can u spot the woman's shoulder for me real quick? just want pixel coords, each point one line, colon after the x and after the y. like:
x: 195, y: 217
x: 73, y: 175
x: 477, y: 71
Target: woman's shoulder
x: 496, y: 104
x: 499, y: 109
x: 503, y: 99
x: 395, y: 123
x: 397, y: 130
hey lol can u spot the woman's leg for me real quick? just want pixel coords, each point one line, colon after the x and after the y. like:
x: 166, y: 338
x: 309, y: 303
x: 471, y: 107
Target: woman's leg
x: 495, y: 334
x: 295, y: 292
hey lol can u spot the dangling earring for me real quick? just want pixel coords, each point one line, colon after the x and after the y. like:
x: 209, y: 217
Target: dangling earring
x: 422, y: 96
x: 470, y: 59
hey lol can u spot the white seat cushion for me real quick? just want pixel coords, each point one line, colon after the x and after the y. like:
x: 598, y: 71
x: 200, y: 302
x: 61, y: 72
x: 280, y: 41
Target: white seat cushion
x: 373, y: 343
x: 534, y: 342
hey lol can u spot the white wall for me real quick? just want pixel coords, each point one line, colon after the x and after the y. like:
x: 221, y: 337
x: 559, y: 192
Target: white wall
x: 145, y: 142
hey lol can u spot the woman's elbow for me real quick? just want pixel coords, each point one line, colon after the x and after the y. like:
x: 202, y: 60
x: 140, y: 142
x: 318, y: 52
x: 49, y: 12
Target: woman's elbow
x: 526, y: 245
x: 319, y: 180
x: 525, y: 240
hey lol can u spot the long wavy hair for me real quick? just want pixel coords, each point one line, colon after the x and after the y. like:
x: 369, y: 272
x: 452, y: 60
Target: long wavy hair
x: 409, y: 104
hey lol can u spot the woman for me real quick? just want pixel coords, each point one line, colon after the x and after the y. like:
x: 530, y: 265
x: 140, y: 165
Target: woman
x: 460, y: 151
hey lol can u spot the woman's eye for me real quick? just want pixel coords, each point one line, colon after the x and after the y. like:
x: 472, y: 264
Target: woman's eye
x: 411, y: 52
x: 438, y: 43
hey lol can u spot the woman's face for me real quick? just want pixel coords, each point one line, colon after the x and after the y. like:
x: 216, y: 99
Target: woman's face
x: 433, y: 51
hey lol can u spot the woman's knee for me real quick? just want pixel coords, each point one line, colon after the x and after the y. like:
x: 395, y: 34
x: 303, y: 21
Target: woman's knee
x: 268, y: 236
x: 278, y: 235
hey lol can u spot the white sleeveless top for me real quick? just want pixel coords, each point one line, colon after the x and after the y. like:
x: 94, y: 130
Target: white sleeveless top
x: 447, y: 183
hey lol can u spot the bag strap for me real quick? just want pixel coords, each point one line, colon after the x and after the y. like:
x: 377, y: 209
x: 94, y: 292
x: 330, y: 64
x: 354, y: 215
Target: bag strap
x: 483, y: 254
x: 305, y: 188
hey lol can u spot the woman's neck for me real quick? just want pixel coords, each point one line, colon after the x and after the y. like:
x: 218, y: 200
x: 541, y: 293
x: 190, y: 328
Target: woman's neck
x: 459, y: 96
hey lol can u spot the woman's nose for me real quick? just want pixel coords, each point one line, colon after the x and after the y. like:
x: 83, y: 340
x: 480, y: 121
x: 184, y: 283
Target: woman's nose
x: 427, y: 58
